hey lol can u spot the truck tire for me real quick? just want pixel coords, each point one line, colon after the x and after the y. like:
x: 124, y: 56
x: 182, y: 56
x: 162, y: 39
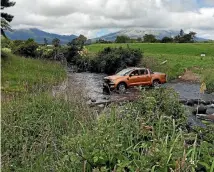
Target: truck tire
x: 121, y: 87
x: 156, y: 83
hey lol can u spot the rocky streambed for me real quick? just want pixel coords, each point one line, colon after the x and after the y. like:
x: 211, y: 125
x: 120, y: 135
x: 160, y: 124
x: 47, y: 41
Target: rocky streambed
x: 90, y: 86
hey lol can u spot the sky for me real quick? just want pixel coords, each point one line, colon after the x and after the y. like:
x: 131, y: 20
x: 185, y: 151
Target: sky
x: 94, y: 18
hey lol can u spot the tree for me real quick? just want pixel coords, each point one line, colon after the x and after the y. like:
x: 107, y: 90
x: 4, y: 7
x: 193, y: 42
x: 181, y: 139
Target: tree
x: 122, y: 39
x: 102, y: 41
x: 166, y: 39
x: 80, y: 40
x: 75, y: 46
x: 5, y: 17
x: 181, y: 33
x: 177, y: 38
x: 186, y: 38
x: 149, y: 38
x: 139, y: 39
x: 45, y: 42
x: 56, y: 42
x: 192, y: 35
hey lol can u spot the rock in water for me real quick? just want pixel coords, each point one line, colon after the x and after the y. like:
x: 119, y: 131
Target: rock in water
x: 106, y: 98
x: 190, y: 102
x: 206, y: 117
x: 210, y: 106
x: 101, y: 105
x: 201, y: 109
x: 210, y: 111
x: 93, y: 100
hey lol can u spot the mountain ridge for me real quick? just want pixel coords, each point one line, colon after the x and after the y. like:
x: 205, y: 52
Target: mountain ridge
x: 135, y: 33
x: 38, y: 35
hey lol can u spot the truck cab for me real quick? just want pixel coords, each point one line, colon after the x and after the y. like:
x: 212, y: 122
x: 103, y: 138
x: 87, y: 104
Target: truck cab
x: 134, y: 77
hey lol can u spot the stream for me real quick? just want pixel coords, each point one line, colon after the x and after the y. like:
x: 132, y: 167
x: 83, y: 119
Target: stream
x: 92, y: 83
x: 90, y: 86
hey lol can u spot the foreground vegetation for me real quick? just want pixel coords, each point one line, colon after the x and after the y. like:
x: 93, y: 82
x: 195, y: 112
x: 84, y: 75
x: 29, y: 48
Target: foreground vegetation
x: 180, y: 57
x: 43, y: 133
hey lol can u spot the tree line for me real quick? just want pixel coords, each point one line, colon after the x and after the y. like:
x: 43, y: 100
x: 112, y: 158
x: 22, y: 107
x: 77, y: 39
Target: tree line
x: 150, y: 38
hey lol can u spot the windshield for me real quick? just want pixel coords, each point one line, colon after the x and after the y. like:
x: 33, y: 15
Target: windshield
x: 124, y: 72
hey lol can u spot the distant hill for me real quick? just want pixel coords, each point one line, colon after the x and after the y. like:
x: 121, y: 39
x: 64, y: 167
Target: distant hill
x: 38, y: 35
x: 135, y: 33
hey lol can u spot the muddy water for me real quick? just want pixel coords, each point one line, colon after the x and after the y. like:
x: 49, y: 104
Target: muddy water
x: 92, y: 84
x: 93, y: 87
x: 188, y: 90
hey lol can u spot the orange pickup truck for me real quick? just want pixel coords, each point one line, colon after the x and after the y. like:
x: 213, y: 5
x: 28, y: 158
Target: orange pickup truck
x: 134, y: 77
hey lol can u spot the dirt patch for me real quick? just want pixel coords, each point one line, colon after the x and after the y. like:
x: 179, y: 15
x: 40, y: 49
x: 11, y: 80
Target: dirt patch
x: 190, y: 76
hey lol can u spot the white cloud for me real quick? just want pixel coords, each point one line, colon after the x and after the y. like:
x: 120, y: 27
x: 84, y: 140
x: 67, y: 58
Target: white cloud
x: 209, y: 2
x: 89, y: 16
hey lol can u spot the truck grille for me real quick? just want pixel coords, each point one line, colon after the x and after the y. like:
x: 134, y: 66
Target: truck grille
x: 107, y: 81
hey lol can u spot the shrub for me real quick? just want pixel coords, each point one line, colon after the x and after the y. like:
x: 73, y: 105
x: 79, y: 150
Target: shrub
x: 109, y: 60
x: 122, y: 39
x: 44, y: 52
x: 112, y: 59
x: 72, y: 53
x: 5, y: 42
x: 25, y: 48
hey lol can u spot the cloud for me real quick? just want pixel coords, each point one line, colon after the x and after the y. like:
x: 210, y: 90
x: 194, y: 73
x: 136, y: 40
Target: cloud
x: 90, y: 16
x: 180, y: 5
x: 209, y: 2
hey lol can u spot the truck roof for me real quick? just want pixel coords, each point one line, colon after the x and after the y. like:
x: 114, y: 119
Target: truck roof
x: 137, y: 68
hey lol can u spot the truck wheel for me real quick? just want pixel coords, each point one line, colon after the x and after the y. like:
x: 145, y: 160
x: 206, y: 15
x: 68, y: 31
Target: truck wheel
x: 121, y: 87
x: 156, y: 84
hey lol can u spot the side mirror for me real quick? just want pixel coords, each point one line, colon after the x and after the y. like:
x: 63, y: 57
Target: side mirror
x: 131, y: 75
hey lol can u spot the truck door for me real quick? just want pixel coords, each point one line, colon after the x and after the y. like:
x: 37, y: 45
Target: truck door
x: 134, y: 78
x: 145, y: 77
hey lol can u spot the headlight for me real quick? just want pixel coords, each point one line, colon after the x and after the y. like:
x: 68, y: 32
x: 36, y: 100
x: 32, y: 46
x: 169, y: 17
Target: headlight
x: 111, y: 82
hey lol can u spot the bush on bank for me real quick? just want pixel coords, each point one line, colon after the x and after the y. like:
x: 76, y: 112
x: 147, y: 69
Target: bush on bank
x: 25, y: 48
x: 109, y: 61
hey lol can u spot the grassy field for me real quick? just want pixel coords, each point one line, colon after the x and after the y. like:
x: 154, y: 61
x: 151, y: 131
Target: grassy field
x: 160, y: 48
x: 180, y: 57
x: 21, y: 75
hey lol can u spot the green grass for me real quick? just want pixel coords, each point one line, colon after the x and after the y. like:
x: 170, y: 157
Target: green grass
x: 179, y: 58
x: 21, y: 74
x: 33, y: 128
x: 158, y: 48
x: 177, y: 64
